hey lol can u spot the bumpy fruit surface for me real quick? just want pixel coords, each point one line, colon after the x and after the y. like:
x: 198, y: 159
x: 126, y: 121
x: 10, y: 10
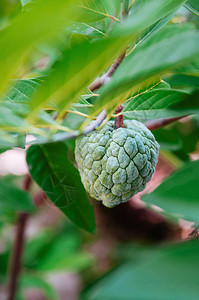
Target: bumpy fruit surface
x: 115, y: 164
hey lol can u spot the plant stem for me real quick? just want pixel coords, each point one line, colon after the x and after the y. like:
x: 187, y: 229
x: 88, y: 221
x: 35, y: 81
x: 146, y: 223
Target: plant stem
x: 96, y: 84
x: 119, y: 121
x: 156, y: 124
x: 15, y: 265
x: 17, y: 254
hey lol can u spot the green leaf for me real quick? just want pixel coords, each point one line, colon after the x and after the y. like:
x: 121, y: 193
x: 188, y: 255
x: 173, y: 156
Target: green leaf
x: 11, y: 139
x: 178, y: 195
x: 13, y: 198
x: 168, y: 138
x: 21, y: 90
x: 165, y: 273
x: 28, y: 29
x: 92, y: 11
x: 18, y: 95
x: 9, y: 119
x: 72, y: 74
x: 34, y: 281
x: 165, y: 50
x: 193, y: 6
x: 60, y: 180
x: 64, y: 255
x: 148, y: 13
x: 85, y: 29
x: 156, y: 104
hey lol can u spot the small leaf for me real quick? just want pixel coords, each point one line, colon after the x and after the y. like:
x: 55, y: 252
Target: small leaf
x: 60, y: 180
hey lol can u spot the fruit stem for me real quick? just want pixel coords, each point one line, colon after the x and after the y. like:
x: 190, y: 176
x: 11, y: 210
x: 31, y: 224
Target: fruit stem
x: 119, y: 120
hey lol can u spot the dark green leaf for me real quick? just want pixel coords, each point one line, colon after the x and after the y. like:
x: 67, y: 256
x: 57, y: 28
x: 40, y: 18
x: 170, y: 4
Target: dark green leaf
x: 13, y: 198
x: 156, y: 104
x: 193, y: 6
x: 167, y: 49
x: 167, y: 273
x: 178, y: 195
x: 168, y: 139
x: 63, y: 255
x: 55, y: 174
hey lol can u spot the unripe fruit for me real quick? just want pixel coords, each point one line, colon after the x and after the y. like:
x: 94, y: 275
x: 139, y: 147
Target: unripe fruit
x: 116, y: 164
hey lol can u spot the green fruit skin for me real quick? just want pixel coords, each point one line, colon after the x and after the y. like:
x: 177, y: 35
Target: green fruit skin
x: 116, y: 164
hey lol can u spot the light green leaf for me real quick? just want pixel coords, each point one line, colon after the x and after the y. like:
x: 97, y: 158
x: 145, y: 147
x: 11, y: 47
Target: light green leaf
x: 71, y: 75
x: 55, y: 174
x: 165, y: 273
x: 21, y: 90
x: 92, y: 11
x: 85, y: 29
x: 28, y: 29
x: 178, y: 195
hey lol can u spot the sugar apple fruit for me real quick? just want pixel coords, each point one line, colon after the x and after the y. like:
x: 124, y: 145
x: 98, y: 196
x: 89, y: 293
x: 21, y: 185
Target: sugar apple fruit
x: 115, y: 164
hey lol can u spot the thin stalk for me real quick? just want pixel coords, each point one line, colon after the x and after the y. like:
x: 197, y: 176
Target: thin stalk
x: 119, y: 120
x: 15, y: 264
x: 17, y: 254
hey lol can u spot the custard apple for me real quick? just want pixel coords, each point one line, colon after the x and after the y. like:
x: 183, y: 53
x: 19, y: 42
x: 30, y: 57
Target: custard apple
x: 116, y: 164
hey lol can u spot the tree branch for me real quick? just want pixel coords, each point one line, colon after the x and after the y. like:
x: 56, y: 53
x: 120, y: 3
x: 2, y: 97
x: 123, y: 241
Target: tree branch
x: 96, y: 123
x: 97, y: 83
x: 18, y: 246
x: 156, y: 124
x: 119, y: 121
x: 17, y: 254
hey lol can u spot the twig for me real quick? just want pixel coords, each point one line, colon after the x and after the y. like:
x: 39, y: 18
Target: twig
x: 18, y: 246
x: 156, y: 124
x: 96, y: 84
x: 17, y: 254
x: 119, y: 121
x: 96, y: 123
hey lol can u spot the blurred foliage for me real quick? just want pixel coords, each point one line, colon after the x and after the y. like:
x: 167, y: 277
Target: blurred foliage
x: 51, y: 51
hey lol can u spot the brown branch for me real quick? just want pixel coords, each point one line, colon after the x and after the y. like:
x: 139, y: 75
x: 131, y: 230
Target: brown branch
x: 97, y: 83
x: 156, y: 124
x: 119, y: 121
x: 18, y: 246
x: 17, y: 254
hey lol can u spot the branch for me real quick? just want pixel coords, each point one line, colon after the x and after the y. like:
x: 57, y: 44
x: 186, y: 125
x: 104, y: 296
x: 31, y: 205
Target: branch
x: 17, y: 254
x: 96, y: 123
x: 18, y: 246
x: 156, y: 124
x: 97, y: 83
x: 119, y: 120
